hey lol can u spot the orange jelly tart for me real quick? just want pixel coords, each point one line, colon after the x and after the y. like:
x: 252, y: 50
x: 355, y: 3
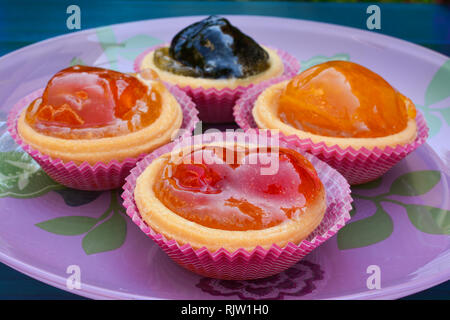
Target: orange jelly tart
x: 89, y: 114
x: 215, y: 196
x: 339, y: 103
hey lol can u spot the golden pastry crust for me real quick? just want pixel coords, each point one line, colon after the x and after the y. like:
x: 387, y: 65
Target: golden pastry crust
x: 172, y: 226
x: 266, y: 117
x: 276, y: 69
x: 117, y: 148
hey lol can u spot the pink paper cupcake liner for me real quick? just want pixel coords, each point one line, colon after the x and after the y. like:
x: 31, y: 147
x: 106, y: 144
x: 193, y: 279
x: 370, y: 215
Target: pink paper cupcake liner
x: 216, y: 106
x: 242, y: 264
x: 84, y: 176
x: 358, y: 166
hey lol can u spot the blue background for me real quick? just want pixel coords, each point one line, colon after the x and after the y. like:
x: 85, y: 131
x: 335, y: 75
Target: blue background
x: 25, y: 22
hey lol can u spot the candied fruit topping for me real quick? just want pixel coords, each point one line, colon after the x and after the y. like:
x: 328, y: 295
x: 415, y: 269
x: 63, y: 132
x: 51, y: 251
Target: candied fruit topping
x: 87, y: 102
x: 212, y: 48
x: 344, y: 99
x: 224, y: 187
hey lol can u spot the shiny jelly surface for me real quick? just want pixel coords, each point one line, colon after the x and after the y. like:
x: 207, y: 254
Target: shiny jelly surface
x: 212, y: 48
x: 226, y: 188
x: 87, y: 102
x: 344, y: 99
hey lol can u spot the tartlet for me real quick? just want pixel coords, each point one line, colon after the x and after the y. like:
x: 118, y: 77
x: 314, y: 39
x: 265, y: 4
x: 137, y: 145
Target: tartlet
x: 225, y: 207
x: 214, y: 62
x: 275, y: 69
x: 90, y: 117
x: 95, y: 142
x: 226, y: 219
x: 342, y: 112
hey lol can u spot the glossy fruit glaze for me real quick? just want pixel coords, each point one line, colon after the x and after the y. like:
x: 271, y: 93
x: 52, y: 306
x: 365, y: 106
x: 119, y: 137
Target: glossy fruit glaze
x: 212, y: 48
x: 87, y: 102
x: 344, y: 99
x: 224, y: 188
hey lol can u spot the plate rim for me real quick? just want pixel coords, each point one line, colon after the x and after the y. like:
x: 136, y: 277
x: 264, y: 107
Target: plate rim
x: 97, y: 292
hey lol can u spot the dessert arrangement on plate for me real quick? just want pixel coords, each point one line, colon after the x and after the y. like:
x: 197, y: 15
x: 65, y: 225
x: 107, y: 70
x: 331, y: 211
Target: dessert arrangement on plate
x: 241, y: 205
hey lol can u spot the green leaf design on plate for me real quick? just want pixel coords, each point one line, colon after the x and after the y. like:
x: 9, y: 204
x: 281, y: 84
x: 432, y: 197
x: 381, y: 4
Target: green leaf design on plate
x: 415, y: 183
x: 108, y: 236
x: 425, y: 218
x: 136, y: 45
x: 22, y: 177
x: 366, y: 232
x: 129, y: 49
x: 68, y: 226
x: 320, y: 59
x: 107, y: 40
x: 429, y: 219
x: 106, y: 233
x: 439, y: 87
x: 434, y: 122
x: 369, y: 185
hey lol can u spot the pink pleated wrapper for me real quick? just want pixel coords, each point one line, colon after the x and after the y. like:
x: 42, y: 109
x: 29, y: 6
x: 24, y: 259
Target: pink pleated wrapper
x: 216, y: 106
x: 358, y: 166
x: 242, y: 264
x: 84, y: 176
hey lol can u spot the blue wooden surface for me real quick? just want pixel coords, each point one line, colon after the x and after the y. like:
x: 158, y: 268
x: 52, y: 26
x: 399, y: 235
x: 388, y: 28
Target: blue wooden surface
x: 27, y: 21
